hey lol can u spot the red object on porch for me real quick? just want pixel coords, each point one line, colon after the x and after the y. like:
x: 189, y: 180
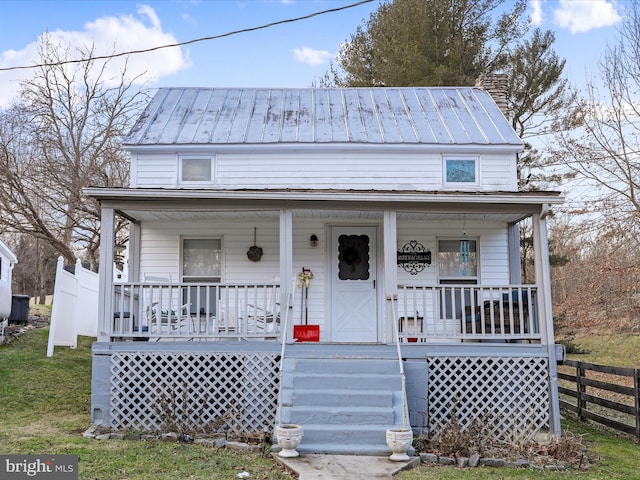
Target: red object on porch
x: 306, y: 333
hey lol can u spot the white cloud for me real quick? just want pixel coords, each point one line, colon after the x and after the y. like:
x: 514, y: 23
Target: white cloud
x: 311, y: 56
x: 108, y: 35
x: 584, y: 15
x: 536, y: 12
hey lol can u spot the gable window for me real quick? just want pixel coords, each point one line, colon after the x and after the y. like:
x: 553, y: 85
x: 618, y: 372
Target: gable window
x: 195, y: 170
x: 460, y: 171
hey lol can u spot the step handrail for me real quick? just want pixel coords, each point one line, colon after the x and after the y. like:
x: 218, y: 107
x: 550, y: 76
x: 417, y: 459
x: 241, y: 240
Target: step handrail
x: 290, y: 299
x: 394, y: 299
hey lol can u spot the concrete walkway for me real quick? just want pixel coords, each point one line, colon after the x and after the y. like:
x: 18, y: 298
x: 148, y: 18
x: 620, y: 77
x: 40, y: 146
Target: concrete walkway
x: 342, y: 467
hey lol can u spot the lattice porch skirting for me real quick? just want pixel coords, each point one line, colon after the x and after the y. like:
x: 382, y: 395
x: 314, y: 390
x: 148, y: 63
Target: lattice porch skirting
x: 237, y: 391
x: 510, y: 395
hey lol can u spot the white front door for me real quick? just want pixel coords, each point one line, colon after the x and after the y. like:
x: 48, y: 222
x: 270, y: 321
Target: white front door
x: 354, y: 313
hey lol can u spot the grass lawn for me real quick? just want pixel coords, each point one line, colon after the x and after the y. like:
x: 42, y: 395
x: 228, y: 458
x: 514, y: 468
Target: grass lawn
x: 620, y: 350
x: 45, y: 404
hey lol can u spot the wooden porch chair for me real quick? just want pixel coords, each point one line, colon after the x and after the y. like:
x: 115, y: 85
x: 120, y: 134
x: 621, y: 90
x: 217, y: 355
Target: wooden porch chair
x: 159, y: 316
x: 265, y: 319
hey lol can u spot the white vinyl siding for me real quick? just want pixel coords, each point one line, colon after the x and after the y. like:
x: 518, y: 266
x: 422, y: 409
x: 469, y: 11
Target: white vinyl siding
x: 155, y: 170
x: 161, y: 245
x: 385, y: 170
x: 493, y: 262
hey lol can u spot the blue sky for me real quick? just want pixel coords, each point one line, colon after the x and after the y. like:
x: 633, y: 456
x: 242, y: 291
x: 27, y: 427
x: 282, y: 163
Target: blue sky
x: 288, y: 55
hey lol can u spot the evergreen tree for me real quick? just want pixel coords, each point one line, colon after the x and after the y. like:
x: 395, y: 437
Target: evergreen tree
x: 429, y: 42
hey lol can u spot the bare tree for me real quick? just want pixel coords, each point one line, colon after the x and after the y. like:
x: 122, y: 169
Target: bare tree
x: 65, y: 134
x: 599, y: 140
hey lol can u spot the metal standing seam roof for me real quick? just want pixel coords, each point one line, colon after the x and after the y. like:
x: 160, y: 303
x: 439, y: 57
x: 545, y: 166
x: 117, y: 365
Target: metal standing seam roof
x: 255, y: 116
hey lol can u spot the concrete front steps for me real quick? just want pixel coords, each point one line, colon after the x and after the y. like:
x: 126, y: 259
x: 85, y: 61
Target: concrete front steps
x: 344, y: 403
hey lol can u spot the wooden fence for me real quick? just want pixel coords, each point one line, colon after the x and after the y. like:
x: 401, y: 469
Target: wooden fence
x: 614, y: 403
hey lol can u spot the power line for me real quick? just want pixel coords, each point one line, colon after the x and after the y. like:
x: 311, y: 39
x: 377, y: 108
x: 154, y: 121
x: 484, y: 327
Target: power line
x: 188, y: 42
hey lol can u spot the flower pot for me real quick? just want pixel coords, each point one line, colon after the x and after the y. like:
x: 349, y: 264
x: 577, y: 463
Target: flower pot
x: 289, y: 437
x: 399, y: 441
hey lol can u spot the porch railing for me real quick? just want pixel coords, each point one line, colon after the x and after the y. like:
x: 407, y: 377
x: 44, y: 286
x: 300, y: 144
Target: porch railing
x: 152, y: 311
x: 468, y: 313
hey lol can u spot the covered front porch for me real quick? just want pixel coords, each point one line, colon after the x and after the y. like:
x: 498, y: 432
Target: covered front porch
x: 375, y: 301
x: 421, y: 335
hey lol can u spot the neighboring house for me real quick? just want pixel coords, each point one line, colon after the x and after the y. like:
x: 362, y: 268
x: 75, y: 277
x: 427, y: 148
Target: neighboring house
x: 403, y: 205
x: 7, y: 261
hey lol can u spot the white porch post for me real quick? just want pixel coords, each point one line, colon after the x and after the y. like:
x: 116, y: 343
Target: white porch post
x: 105, y: 272
x: 390, y: 245
x: 134, y: 252
x: 286, y: 269
x: 513, y: 233
x: 543, y: 280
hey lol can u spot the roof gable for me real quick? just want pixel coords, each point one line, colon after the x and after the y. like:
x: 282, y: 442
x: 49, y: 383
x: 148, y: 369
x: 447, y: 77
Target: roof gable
x: 229, y: 116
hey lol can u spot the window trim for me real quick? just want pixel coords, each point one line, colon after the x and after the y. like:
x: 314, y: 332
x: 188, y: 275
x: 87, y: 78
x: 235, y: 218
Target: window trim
x: 193, y: 279
x: 458, y: 185
x: 211, y: 181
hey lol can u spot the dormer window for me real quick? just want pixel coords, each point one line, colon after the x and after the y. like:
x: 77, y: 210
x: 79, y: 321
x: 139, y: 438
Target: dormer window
x: 461, y: 171
x: 195, y: 170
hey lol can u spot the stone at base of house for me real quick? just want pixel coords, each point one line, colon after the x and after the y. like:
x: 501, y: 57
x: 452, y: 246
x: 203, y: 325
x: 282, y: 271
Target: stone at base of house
x: 244, y: 447
x: 428, y: 458
x: 94, y: 432
x: 475, y: 460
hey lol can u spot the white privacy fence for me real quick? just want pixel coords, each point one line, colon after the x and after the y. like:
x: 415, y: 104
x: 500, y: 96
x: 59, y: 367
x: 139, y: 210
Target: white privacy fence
x: 75, y: 306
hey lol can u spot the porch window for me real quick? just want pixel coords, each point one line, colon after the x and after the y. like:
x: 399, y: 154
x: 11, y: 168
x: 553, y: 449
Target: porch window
x: 201, y: 260
x: 195, y: 170
x: 458, y: 259
x: 461, y: 171
x: 201, y: 263
x: 458, y: 265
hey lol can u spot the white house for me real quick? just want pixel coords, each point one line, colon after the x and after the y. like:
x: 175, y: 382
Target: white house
x: 400, y: 203
x: 7, y: 261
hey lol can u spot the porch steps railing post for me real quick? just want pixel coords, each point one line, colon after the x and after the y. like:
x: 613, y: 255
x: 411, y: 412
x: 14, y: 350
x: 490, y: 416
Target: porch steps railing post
x: 403, y: 379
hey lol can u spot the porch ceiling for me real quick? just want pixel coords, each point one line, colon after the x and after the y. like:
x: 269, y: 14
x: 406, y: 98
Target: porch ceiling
x: 176, y: 205
x: 186, y: 215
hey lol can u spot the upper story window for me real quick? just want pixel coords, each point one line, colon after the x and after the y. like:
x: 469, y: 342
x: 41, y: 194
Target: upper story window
x: 461, y: 171
x: 196, y: 170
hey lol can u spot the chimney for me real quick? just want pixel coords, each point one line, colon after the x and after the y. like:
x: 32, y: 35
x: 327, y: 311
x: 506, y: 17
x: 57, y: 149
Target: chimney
x: 496, y: 85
